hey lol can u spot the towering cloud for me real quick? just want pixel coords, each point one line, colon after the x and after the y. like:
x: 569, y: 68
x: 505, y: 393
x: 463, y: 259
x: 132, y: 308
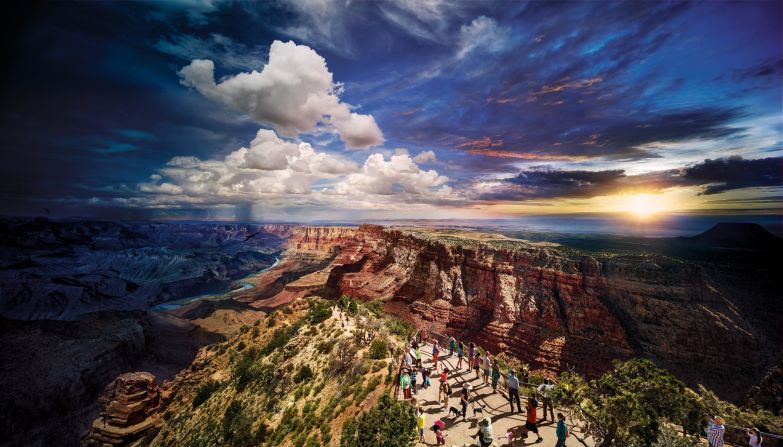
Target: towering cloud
x: 294, y: 92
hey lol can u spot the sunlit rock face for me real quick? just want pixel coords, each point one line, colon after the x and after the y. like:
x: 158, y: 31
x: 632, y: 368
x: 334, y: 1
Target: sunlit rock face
x: 60, y: 270
x: 555, y: 309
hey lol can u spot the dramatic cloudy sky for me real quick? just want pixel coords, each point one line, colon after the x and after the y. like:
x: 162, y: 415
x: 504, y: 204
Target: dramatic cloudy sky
x: 335, y: 109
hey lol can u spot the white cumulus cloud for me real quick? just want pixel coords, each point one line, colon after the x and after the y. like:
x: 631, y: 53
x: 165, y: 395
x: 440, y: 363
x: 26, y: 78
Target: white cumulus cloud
x: 294, y: 92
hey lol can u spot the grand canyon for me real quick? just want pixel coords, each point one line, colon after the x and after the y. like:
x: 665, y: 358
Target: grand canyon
x: 116, y: 305
x: 391, y: 223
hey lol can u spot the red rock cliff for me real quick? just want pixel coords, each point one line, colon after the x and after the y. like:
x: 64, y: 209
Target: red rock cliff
x: 550, y: 308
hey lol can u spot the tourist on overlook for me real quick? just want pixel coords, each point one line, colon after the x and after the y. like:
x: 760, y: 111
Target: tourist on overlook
x: 452, y: 345
x: 513, y: 391
x: 463, y: 401
x: 715, y: 432
x: 477, y: 364
x: 754, y: 437
x: 471, y: 354
x: 413, y: 381
x: 408, y: 358
x: 417, y: 354
x: 460, y: 351
x: 561, y: 431
x: 425, y: 378
x: 545, y: 390
x: 405, y: 384
x: 420, y: 423
x: 443, y: 394
x: 423, y: 335
x: 486, y: 366
x: 495, y: 375
x: 484, y: 434
x: 435, y: 352
x: 530, y: 423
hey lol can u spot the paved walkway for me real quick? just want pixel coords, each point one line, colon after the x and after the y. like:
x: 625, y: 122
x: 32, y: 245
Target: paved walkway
x: 459, y: 432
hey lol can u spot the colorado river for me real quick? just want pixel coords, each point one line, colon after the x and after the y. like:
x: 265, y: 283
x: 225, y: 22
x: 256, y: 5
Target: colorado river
x: 176, y: 304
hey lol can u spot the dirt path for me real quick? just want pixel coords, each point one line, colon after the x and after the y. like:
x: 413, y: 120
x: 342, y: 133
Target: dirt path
x: 496, y: 405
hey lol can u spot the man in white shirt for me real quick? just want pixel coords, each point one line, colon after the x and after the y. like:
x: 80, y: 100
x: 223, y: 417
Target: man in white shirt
x: 513, y: 391
x: 545, y: 390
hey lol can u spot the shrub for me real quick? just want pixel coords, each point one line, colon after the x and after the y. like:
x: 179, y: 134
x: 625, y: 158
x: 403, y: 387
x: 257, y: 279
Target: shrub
x: 319, y: 312
x: 390, y: 423
x: 378, y: 349
x: 304, y: 374
x: 204, y: 392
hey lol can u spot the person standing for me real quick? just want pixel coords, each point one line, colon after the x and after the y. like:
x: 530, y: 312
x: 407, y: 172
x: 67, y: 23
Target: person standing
x: 561, y: 431
x: 495, y: 375
x: 452, y: 345
x: 487, y: 365
x: 435, y: 352
x: 471, y: 354
x: 460, y: 352
x: 463, y: 401
x: 405, y: 384
x: 421, y: 423
x: 715, y: 432
x: 413, y: 381
x: 425, y: 377
x: 545, y: 390
x: 530, y: 423
x: 443, y: 394
x: 477, y: 363
x: 513, y: 391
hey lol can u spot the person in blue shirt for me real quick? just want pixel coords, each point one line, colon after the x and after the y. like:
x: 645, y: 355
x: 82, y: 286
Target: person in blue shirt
x: 561, y: 431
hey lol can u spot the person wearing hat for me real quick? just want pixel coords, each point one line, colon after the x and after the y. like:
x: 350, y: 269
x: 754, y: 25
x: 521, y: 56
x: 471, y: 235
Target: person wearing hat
x: 513, y: 390
x: 715, y: 432
x: 484, y: 434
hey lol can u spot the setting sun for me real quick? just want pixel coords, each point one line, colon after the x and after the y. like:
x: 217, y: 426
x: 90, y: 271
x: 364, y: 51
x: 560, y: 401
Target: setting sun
x: 643, y: 206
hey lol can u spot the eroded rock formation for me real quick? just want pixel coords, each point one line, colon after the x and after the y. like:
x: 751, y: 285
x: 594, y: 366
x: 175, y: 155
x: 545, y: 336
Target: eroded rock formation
x: 129, y: 407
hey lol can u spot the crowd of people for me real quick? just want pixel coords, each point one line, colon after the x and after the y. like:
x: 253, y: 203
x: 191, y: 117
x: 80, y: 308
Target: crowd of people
x: 488, y: 372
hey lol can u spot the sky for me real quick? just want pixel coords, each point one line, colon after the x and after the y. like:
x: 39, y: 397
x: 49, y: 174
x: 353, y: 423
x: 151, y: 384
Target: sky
x: 412, y: 109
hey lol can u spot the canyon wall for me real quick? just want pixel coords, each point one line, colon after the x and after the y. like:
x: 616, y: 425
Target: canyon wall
x: 555, y: 309
x: 63, y: 269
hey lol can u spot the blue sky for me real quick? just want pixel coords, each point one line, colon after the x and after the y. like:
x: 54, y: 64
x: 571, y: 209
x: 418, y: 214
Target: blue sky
x: 390, y: 109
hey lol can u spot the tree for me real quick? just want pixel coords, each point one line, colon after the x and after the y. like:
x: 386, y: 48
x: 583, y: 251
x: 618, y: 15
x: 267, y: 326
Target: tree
x: 628, y: 405
x: 390, y: 423
x: 343, y: 355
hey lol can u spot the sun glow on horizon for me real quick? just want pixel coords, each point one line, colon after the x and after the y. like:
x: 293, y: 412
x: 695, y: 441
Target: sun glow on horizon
x: 643, y: 206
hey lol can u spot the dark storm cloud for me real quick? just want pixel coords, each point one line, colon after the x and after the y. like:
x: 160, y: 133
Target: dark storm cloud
x: 734, y: 173
x: 716, y: 176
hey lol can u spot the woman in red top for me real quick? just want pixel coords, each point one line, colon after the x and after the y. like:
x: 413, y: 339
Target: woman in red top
x: 530, y: 424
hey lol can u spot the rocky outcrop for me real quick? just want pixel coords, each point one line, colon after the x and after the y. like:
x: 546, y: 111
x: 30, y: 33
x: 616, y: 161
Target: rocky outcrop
x: 129, y: 408
x: 555, y: 309
x: 318, y: 241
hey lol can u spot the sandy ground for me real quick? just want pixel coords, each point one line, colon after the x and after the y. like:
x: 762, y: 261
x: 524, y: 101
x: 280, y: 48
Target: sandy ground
x: 459, y: 432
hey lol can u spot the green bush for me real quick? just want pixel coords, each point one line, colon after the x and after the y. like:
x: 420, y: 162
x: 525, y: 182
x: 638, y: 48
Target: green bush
x: 320, y: 311
x: 304, y: 374
x: 204, y: 392
x: 390, y: 423
x: 378, y: 349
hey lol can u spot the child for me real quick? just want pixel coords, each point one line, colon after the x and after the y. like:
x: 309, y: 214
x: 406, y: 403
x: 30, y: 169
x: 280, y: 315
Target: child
x: 420, y: 423
x: 413, y: 380
x: 476, y: 361
x: 440, y: 438
x: 435, y: 352
x: 425, y: 374
x: 509, y: 435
